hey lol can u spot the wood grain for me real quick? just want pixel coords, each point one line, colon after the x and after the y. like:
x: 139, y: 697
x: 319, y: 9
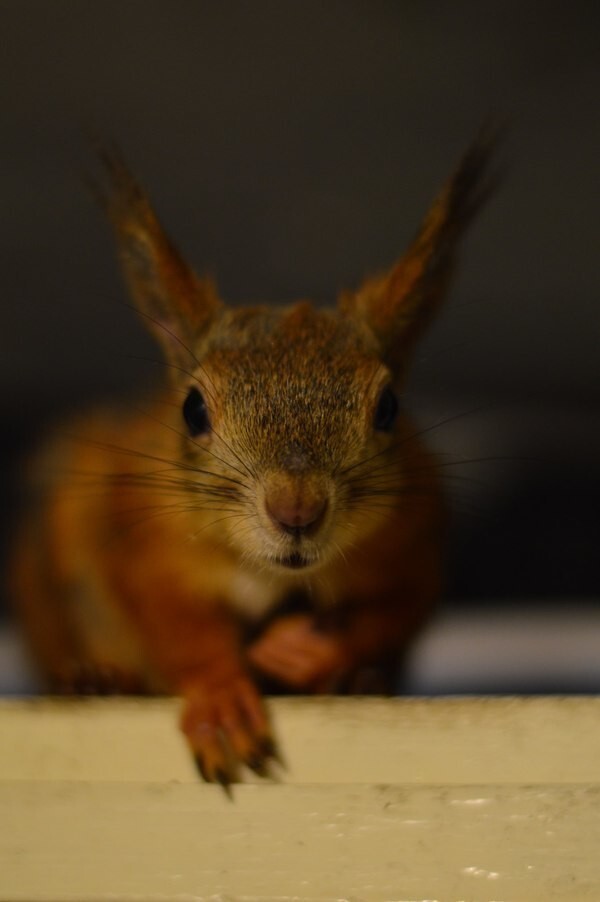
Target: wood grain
x: 455, y: 799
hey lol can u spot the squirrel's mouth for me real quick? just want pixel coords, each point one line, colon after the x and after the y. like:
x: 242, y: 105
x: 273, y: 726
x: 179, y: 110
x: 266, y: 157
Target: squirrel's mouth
x: 294, y: 561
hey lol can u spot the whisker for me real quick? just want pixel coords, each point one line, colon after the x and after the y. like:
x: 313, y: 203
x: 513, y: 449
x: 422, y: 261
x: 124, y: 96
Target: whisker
x: 444, y: 421
x: 212, y: 523
x: 249, y: 470
x: 396, y: 446
x: 175, y: 338
x: 144, y: 455
x: 202, y: 449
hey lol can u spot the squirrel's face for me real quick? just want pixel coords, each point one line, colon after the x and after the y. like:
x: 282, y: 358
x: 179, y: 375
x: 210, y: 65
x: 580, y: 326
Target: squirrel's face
x: 292, y: 441
x: 292, y: 414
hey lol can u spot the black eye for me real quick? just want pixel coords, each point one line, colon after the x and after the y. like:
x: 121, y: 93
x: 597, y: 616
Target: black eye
x: 195, y: 413
x: 387, y: 410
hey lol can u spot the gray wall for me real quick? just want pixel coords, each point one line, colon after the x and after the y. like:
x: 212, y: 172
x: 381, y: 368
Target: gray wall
x: 291, y: 148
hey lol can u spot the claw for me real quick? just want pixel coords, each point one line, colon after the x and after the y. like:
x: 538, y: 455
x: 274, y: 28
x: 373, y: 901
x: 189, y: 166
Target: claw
x: 269, y: 749
x: 223, y: 779
x: 198, y: 761
x: 257, y: 764
x: 219, y: 776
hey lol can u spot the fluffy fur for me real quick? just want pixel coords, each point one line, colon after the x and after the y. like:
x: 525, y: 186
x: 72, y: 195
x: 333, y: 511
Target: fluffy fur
x: 159, y: 548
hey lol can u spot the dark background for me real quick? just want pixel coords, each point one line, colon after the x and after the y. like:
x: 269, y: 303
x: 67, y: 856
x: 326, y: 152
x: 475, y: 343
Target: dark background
x: 291, y: 149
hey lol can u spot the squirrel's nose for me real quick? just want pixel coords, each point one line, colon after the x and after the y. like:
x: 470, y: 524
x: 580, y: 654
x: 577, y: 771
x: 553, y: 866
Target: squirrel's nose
x: 297, y: 515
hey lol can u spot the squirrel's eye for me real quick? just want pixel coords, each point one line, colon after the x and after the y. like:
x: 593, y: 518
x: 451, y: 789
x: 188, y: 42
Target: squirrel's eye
x: 195, y: 413
x: 387, y: 410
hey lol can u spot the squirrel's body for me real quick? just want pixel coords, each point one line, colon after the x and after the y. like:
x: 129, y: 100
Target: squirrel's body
x: 161, y: 542
x: 108, y: 503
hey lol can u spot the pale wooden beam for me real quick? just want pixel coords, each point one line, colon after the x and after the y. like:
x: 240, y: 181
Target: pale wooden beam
x: 479, y: 799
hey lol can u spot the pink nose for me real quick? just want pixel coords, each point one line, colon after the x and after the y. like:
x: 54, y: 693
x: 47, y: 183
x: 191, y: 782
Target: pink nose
x: 296, y: 514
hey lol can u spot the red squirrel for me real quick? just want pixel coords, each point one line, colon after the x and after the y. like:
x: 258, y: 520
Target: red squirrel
x: 160, y: 548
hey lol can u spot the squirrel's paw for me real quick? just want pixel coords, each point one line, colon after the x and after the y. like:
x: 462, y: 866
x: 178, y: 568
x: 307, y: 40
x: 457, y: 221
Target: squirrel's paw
x: 294, y: 652
x: 227, y: 726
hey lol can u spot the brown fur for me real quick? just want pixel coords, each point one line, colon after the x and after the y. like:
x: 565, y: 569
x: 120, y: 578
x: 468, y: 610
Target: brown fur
x: 150, y: 556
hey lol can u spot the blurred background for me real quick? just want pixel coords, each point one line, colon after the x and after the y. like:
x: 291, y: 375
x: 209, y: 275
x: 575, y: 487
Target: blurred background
x: 291, y: 149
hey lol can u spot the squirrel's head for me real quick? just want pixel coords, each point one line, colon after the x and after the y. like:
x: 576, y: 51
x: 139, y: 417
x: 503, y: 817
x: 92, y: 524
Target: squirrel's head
x: 290, y: 422
x: 283, y: 405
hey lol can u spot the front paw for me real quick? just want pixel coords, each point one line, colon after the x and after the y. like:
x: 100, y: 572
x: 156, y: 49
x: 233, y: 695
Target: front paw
x: 296, y: 653
x: 226, y: 725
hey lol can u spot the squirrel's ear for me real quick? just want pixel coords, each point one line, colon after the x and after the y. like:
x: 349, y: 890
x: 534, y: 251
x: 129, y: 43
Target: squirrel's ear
x: 176, y: 305
x: 397, y: 305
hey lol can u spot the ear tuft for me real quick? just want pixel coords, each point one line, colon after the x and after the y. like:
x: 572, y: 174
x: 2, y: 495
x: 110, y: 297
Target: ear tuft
x: 397, y: 305
x: 169, y: 295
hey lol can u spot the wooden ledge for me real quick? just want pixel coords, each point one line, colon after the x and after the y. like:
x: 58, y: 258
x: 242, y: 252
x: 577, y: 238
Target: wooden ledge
x: 446, y: 799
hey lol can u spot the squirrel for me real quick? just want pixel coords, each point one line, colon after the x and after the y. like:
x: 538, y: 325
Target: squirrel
x: 272, y: 517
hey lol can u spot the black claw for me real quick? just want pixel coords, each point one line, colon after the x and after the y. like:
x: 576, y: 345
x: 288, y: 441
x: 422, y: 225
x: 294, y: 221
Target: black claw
x: 223, y: 779
x: 269, y: 749
x: 201, y: 768
x: 267, y: 746
x: 219, y: 776
x: 257, y: 764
